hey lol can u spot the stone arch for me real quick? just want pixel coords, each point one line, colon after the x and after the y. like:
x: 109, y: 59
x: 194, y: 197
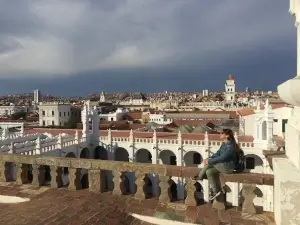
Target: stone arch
x: 192, y: 158
x: 198, y: 194
x: 121, y: 154
x: 167, y: 157
x: 264, y: 130
x: 101, y: 153
x: 143, y: 156
x: 251, y: 159
x: 84, y: 153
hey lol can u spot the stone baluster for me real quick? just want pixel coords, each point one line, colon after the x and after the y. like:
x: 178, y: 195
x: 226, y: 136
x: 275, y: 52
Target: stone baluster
x: 11, y: 148
x: 140, y: 183
x: 74, y: 178
x: 38, y: 175
x: 190, y: 190
x: 56, y: 176
x: 22, y: 173
x: 164, y: 184
x: 95, y: 180
x: 117, y: 179
x: 6, y: 170
x: 154, y: 148
x: 59, y: 142
x: 248, y: 195
x: 76, y: 137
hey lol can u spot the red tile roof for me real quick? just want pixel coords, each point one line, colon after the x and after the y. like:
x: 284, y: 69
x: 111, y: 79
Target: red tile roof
x: 126, y: 133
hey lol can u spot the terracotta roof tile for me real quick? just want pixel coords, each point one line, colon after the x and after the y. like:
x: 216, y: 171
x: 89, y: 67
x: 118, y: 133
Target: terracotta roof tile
x: 126, y: 133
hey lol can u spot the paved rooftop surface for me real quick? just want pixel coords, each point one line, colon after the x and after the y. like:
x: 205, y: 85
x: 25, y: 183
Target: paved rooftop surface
x: 60, y: 206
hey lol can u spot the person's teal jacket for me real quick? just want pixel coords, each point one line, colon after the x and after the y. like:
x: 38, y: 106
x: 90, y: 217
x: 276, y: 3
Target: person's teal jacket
x: 226, y: 156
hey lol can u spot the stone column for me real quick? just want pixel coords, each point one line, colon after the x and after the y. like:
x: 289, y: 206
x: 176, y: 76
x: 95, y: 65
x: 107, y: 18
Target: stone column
x: 287, y: 171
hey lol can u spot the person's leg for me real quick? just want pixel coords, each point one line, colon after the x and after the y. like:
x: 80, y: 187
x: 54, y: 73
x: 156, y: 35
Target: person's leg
x: 213, y: 177
x: 202, y: 172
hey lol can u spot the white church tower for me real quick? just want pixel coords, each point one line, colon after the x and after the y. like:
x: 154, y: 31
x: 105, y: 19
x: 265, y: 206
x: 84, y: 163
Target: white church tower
x: 102, y: 97
x: 230, y: 89
x: 263, y: 127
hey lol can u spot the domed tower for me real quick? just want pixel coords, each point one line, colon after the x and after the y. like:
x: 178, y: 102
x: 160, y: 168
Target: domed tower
x: 230, y: 89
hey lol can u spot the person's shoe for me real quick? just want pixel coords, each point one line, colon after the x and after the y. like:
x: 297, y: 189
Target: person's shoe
x: 214, y: 195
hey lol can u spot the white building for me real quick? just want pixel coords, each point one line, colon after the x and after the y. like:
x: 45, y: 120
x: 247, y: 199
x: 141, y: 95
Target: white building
x: 55, y: 113
x: 102, y: 97
x: 12, y: 109
x: 281, y: 114
x: 37, y: 96
x: 118, y: 115
x: 160, y: 119
x: 230, y: 89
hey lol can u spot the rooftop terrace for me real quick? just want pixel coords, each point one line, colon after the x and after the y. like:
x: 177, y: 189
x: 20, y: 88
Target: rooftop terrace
x: 79, y: 203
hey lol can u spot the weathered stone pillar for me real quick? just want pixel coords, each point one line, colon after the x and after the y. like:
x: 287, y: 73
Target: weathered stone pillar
x: 22, y: 173
x: 56, y: 176
x: 140, y: 184
x: 164, y: 188
x: 74, y: 179
x: 117, y: 182
x: 190, y: 192
x: 248, y: 194
x: 95, y: 180
x: 38, y: 175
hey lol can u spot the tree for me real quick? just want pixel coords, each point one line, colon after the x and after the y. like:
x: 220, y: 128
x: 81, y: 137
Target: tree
x: 71, y: 124
x: 18, y: 115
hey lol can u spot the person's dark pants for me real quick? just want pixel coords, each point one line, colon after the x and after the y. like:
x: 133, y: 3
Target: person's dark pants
x: 212, y: 173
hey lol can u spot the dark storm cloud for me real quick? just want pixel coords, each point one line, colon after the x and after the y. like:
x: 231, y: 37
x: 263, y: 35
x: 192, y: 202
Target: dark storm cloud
x: 65, y: 37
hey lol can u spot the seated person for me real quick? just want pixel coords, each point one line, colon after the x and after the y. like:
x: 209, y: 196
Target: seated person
x: 223, y: 161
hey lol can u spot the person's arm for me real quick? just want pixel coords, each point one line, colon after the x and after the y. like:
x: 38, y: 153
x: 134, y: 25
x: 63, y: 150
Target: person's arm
x: 228, y: 153
x: 217, y: 153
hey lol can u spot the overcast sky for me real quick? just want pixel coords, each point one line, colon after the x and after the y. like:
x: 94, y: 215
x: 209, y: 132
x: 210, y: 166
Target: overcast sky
x: 63, y: 38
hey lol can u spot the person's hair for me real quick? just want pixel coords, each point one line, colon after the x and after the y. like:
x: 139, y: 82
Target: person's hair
x: 230, y: 137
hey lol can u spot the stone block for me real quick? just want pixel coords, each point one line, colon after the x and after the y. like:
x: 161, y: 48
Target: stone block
x: 286, y: 192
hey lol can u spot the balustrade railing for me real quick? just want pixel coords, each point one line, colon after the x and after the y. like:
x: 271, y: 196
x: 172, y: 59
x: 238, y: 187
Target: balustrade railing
x: 33, y: 169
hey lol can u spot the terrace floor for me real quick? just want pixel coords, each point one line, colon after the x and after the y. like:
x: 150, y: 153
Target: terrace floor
x: 60, y: 206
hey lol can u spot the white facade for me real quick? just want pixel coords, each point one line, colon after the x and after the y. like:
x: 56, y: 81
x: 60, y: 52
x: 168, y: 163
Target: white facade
x: 281, y: 117
x: 230, y: 89
x: 54, y: 113
x: 37, y: 96
x: 102, y: 97
x: 160, y: 119
x: 12, y: 109
x: 114, y: 116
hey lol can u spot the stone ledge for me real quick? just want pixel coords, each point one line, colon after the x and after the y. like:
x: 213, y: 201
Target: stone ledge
x: 250, y: 178
x: 270, y: 155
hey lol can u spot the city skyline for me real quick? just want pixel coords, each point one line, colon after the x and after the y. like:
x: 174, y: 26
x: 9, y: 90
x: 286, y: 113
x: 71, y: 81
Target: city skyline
x: 174, y: 46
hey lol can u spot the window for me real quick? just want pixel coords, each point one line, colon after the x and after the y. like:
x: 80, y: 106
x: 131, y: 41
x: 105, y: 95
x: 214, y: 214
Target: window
x: 196, y: 158
x: 52, y: 113
x: 173, y: 160
x: 52, y: 122
x: 275, y: 120
x: 284, y: 122
x: 64, y: 113
x: 43, y: 112
x: 59, y: 114
x: 250, y: 163
x: 68, y: 113
x: 44, y: 123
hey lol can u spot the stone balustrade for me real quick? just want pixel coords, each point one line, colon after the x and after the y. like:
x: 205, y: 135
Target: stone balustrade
x: 20, y: 164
